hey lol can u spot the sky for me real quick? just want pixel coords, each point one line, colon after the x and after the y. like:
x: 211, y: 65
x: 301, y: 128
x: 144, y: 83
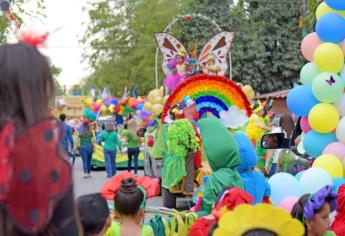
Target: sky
x: 63, y: 46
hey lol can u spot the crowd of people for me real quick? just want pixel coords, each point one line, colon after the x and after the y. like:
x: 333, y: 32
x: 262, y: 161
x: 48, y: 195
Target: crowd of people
x: 33, y: 163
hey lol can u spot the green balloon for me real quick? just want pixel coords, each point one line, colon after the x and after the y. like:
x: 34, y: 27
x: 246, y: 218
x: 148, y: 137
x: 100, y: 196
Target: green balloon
x: 328, y: 87
x: 308, y: 73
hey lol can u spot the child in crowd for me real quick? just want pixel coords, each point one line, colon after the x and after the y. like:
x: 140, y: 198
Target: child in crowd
x: 129, y: 204
x: 94, y: 214
x: 254, y: 181
x: 314, y: 210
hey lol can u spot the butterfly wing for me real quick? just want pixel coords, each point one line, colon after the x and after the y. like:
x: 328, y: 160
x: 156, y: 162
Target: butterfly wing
x: 219, y: 45
x: 168, y: 45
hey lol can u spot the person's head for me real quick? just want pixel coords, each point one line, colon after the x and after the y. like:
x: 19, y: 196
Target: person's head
x: 62, y: 117
x: 94, y: 214
x: 103, y: 126
x: 26, y: 84
x: 110, y: 126
x: 314, y: 210
x: 287, y: 124
x: 85, y: 128
x: 260, y: 232
x: 130, y: 200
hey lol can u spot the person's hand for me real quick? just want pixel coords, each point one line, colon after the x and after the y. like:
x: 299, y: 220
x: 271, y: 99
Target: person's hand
x: 267, y: 167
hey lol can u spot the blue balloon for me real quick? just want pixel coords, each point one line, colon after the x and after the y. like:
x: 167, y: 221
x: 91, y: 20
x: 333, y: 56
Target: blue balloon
x: 299, y: 175
x: 336, y: 4
x: 300, y: 100
x: 337, y: 182
x: 315, y: 142
x: 331, y: 28
x: 140, y: 107
x: 284, y: 185
x: 314, y: 179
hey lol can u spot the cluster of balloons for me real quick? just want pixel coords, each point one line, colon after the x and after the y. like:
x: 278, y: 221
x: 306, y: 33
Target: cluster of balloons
x: 156, y: 100
x: 287, y: 189
x: 321, y: 99
x: 247, y: 90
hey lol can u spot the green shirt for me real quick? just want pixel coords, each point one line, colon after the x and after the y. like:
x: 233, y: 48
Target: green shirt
x: 131, y: 142
x: 86, y: 139
x: 114, y: 230
x: 111, y: 140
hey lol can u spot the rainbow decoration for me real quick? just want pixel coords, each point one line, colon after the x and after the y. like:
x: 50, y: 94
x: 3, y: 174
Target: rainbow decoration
x: 212, y: 93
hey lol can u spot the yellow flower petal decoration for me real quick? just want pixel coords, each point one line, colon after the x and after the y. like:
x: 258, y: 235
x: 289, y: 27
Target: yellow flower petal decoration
x: 262, y: 216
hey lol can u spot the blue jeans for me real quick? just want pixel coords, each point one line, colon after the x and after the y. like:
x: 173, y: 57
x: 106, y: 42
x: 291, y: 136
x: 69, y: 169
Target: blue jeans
x: 110, y: 164
x: 273, y: 169
x: 86, y: 155
x: 133, y: 153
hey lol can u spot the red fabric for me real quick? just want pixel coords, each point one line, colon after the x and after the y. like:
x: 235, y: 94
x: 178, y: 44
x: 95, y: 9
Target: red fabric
x: 41, y: 176
x: 201, y: 227
x: 266, y: 200
x: 339, y: 222
x: 150, y: 141
x: 198, y: 160
x: 110, y: 188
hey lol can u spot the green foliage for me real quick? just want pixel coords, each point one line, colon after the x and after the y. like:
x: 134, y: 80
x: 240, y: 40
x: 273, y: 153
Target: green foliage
x: 182, y: 138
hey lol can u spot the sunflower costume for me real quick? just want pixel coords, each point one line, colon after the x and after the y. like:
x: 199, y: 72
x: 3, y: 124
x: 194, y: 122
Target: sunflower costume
x: 246, y: 218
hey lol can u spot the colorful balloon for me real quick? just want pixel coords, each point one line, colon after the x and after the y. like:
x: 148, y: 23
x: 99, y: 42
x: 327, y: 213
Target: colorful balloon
x: 329, y: 57
x: 309, y: 45
x: 314, y: 179
x: 157, y: 109
x: 147, y: 106
x: 336, y: 4
x: 314, y: 142
x: 323, y: 118
x: 288, y: 203
x: 308, y: 73
x: 298, y: 94
x: 323, y: 9
x: 340, y: 132
x: 331, y: 28
x: 305, y: 124
x: 337, y: 182
x: 331, y: 164
x: 340, y: 104
x: 328, y: 87
x: 336, y: 149
x: 284, y: 185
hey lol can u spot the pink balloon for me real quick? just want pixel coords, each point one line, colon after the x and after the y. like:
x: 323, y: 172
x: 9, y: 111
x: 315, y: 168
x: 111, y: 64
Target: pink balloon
x: 288, y: 203
x: 305, y: 124
x: 336, y: 149
x: 309, y: 44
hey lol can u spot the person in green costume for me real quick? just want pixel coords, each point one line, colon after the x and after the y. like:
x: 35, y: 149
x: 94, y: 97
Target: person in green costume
x: 223, y: 157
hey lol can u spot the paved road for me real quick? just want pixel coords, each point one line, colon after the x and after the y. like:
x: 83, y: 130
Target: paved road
x: 94, y: 184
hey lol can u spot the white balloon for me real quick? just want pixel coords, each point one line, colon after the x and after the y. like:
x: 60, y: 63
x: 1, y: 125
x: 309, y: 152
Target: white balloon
x: 314, y: 179
x: 340, y: 132
x: 341, y: 105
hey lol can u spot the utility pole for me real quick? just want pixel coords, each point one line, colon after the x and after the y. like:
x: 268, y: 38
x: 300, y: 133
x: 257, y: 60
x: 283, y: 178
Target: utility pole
x: 303, y: 15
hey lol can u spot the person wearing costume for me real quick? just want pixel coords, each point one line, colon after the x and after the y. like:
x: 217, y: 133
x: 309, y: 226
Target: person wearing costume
x: 314, y: 211
x: 261, y: 219
x: 133, y: 144
x: 254, y: 181
x: 129, y: 201
x: 223, y: 157
x: 228, y: 199
x: 211, y: 67
x: 36, y: 189
x: 338, y: 225
x: 178, y: 71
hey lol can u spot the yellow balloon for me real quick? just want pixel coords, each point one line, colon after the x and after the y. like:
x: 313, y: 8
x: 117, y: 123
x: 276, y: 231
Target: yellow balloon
x: 329, y: 57
x: 99, y: 101
x: 323, y: 9
x: 158, y: 100
x: 156, y: 93
x: 157, y: 109
x: 165, y: 98
x: 331, y: 164
x: 103, y: 108
x: 111, y: 108
x: 323, y: 117
x: 248, y: 91
x: 150, y: 97
x: 147, y: 106
x: 163, y: 91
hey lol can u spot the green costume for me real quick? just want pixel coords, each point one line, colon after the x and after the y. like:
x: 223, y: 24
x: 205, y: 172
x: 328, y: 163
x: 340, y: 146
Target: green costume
x: 159, y: 146
x: 115, y: 230
x: 223, y: 157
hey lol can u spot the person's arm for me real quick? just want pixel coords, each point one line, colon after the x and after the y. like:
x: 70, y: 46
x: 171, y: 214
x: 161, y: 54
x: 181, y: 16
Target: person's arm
x: 269, y: 156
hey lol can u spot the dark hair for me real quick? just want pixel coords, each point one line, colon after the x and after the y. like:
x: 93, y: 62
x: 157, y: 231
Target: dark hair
x: 62, y: 117
x: 129, y: 197
x: 85, y: 129
x: 94, y: 212
x: 26, y: 84
x: 260, y: 232
x: 298, y: 209
x: 103, y: 126
x: 287, y: 124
